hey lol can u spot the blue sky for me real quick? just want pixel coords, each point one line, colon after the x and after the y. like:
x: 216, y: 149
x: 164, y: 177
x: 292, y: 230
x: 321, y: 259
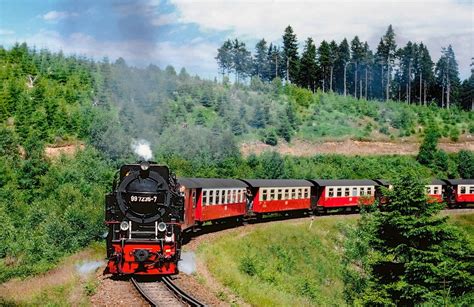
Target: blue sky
x: 187, y: 33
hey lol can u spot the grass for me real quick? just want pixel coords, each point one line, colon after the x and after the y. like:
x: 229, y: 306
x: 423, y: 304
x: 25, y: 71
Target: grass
x: 61, y: 286
x: 290, y: 263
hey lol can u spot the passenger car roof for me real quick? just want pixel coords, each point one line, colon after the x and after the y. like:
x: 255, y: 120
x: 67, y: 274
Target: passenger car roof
x: 344, y: 182
x: 208, y: 183
x: 459, y: 181
x: 278, y: 183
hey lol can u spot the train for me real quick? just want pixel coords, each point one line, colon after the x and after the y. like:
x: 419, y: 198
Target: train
x: 150, y: 209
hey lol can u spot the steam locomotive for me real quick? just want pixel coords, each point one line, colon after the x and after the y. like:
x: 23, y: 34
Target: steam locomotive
x: 144, y: 214
x: 150, y: 209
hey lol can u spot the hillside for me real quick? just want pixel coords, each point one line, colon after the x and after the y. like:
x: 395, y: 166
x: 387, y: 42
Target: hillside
x: 51, y: 204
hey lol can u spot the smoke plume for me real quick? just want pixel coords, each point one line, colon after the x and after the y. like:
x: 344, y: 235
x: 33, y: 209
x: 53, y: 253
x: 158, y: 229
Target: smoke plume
x: 142, y: 149
x: 187, y: 264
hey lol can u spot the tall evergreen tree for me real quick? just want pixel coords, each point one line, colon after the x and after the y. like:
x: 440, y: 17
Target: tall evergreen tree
x: 290, y: 55
x: 357, y: 52
x: 224, y: 58
x: 324, y: 61
x: 386, y: 53
x: 447, y: 77
x: 242, y: 60
x: 260, y: 61
x: 467, y: 91
x: 308, y: 68
x: 343, y: 59
x: 333, y: 57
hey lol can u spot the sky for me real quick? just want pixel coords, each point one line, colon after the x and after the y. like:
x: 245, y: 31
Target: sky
x: 187, y: 33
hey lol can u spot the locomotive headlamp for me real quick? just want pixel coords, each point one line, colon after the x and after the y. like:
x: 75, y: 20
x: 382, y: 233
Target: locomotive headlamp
x: 182, y: 188
x: 124, y: 226
x: 161, y: 227
x: 145, y: 165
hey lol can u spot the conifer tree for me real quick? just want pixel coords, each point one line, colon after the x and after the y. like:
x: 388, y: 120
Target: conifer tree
x: 308, y: 69
x: 290, y: 55
x: 260, y: 61
x: 409, y: 254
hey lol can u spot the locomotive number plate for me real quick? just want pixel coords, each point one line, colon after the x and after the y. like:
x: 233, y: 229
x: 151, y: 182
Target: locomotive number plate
x: 144, y: 199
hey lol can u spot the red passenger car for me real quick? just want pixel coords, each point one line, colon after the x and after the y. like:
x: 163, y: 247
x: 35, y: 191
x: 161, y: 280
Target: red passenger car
x: 344, y: 193
x: 208, y: 199
x: 435, y: 191
x: 279, y: 195
x: 460, y: 192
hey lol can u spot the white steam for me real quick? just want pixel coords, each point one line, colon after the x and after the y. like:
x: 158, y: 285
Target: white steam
x: 88, y: 267
x: 187, y: 264
x: 142, y: 149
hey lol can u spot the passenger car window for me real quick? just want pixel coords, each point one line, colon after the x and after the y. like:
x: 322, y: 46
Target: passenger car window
x: 204, y: 198
x: 339, y: 192
x: 362, y: 191
x: 264, y: 194
x: 354, y: 191
x: 306, y: 193
x: 293, y: 193
x: 346, y: 192
x: 463, y: 190
x: 279, y: 194
x: 471, y: 189
x: 330, y: 192
x: 287, y: 194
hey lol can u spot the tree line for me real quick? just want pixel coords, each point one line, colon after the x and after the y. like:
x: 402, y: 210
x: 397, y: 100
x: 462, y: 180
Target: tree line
x: 352, y: 68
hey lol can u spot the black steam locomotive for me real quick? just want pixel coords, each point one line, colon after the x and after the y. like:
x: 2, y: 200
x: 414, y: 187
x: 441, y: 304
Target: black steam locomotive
x: 144, y: 214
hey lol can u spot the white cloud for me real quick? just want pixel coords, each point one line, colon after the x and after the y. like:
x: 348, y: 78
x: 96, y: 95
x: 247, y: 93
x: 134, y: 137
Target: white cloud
x: 53, y: 16
x: 165, y: 19
x: 196, y: 56
x: 5, y: 32
x: 439, y: 22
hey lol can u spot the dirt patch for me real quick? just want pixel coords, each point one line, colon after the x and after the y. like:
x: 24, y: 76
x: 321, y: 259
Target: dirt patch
x: 54, y: 151
x: 347, y: 147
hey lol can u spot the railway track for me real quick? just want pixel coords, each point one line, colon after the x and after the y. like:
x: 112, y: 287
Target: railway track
x: 164, y: 293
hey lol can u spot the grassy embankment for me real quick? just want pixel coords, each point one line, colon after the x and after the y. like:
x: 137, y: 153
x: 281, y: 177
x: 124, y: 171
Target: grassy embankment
x: 71, y: 282
x: 288, y: 264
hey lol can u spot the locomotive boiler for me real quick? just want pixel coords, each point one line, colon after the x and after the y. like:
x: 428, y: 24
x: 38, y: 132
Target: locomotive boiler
x: 144, y: 214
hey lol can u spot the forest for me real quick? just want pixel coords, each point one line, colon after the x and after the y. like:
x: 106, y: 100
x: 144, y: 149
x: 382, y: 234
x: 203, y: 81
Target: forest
x: 51, y: 207
x: 406, y: 74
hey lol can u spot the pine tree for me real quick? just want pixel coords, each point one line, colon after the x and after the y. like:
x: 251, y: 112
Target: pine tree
x: 357, y: 52
x: 290, y: 55
x: 333, y: 57
x: 324, y: 61
x: 224, y: 58
x: 308, y: 66
x: 429, y: 146
x: 414, y: 256
x: 260, y: 61
x: 447, y: 77
x: 343, y: 59
x: 386, y: 52
x: 242, y: 60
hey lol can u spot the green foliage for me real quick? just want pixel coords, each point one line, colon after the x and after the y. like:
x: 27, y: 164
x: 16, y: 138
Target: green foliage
x: 406, y: 253
x: 466, y: 164
x: 429, y: 147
